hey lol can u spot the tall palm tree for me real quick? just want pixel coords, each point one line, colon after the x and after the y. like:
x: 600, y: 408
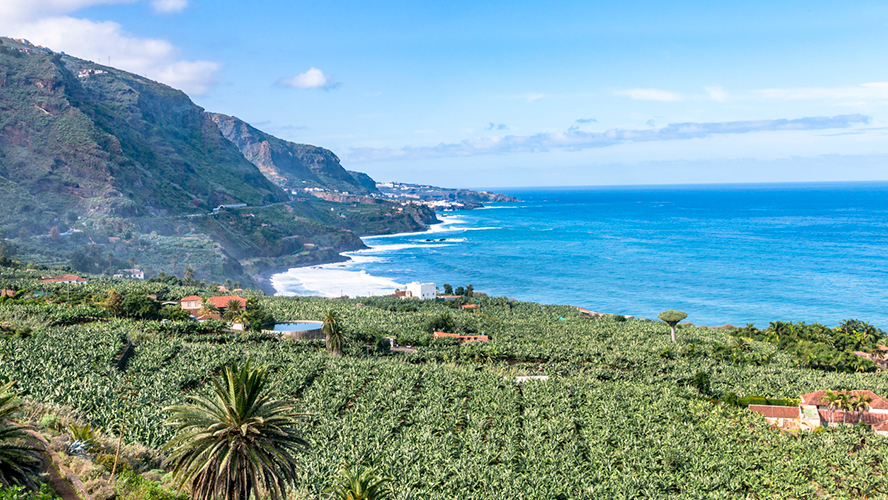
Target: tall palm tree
x: 845, y: 404
x: 861, y: 403
x: 19, y: 463
x: 333, y: 332
x: 833, y: 399
x: 360, y: 485
x: 238, y: 442
x: 232, y: 309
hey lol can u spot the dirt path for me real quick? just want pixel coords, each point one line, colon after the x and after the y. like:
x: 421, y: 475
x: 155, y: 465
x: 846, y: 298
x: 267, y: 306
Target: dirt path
x: 53, y: 467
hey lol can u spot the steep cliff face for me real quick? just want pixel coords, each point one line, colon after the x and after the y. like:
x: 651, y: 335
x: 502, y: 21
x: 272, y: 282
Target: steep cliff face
x: 291, y: 165
x: 78, y: 138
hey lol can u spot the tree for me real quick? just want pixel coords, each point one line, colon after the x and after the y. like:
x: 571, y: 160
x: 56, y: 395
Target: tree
x: 845, y: 404
x: 189, y: 273
x: 459, y: 291
x: 861, y: 403
x: 232, y: 310
x: 834, y: 400
x: 470, y: 290
x: 139, y: 307
x: 54, y: 233
x: 238, y: 442
x: 360, y: 485
x: 113, y: 302
x: 333, y: 332
x: 255, y: 315
x: 448, y: 290
x: 207, y: 308
x: 19, y: 463
x: 672, y: 318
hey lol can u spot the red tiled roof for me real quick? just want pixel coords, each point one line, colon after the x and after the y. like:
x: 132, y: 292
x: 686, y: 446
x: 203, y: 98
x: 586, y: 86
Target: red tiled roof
x: 776, y: 411
x: 222, y: 301
x: 852, y: 417
x: 816, y: 398
x: 191, y: 298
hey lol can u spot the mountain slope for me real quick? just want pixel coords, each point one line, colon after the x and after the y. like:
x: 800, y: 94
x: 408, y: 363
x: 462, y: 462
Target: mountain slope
x: 291, y: 165
x: 76, y: 137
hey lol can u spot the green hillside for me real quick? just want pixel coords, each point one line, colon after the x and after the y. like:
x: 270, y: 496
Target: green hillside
x: 77, y: 137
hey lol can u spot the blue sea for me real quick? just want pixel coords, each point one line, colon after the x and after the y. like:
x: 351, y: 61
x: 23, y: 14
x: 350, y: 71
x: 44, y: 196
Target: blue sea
x: 722, y: 253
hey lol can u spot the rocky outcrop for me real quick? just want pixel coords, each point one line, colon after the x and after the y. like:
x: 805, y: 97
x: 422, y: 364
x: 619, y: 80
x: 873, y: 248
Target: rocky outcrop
x: 291, y: 165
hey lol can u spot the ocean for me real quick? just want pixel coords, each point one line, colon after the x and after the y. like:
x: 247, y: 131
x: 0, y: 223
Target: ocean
x: 738, y: 254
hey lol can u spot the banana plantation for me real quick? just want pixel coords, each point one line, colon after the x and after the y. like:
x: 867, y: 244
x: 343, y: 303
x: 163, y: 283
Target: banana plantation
x: 618, y: 410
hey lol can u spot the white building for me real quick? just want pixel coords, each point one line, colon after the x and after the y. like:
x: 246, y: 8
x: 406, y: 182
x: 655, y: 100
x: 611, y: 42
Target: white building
x: 136, y: 274
x: 422, y: 291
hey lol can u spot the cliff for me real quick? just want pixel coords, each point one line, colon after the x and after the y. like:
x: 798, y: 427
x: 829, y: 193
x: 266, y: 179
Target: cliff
x: 291, y: 165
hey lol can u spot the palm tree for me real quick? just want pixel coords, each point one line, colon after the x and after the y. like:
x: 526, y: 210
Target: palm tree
x: 845, y: 404
x: 232, y: 310
x: 238, y: 442
x: 833, y: 400
x: 363, y: 485
x: 861, y: 403
x: 207, y: 307
x: 19, y: 463
x: 333, y: 332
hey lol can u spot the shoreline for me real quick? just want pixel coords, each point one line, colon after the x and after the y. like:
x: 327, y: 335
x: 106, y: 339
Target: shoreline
x: 264, y: 277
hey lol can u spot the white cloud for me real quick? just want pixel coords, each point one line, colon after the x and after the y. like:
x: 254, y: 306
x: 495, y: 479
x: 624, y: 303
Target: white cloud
x: 649, y: 95
x: 575, y: 140
x: 311, y: 79
x: 40, y: 22
x: 30, y: 10
x: 875, y: 91
x: 717, y: 93
x: 166, y: 6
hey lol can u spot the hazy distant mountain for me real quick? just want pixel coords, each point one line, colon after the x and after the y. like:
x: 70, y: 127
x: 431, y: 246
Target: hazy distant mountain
x: 77, y: 137
x: 292, y: 165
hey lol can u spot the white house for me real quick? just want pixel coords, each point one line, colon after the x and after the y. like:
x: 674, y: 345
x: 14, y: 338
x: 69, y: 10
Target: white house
x: 422, y: 291
x: 136, y: 274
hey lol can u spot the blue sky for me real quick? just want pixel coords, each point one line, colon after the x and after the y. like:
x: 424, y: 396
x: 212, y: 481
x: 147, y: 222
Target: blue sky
x: 518, y: 93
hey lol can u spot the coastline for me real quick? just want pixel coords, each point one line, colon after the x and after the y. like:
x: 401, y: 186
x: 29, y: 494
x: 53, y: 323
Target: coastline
x: 266, y: 277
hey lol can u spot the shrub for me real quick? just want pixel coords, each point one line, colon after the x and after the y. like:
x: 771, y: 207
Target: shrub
x: 51, y: 421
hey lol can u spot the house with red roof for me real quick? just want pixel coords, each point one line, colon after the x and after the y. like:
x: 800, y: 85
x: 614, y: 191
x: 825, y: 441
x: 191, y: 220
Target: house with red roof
x: 194, y: 303
x: 814, y: 411
x: 817, y: 398
x: 67, y: 278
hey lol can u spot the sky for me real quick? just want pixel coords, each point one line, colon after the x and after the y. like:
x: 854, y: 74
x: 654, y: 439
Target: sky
x: 518, y: 93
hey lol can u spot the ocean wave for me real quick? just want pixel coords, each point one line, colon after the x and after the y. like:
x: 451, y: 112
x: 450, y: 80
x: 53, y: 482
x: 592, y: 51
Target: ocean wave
x: 331, y: 282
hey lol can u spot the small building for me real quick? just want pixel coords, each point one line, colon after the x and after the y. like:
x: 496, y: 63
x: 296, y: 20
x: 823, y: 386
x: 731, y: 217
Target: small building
x: 422, y: 291
x: 462, y: 339
x: 67, y: 278
x: 193, y: 303
x: 877, y: 405
x: 814, y: 412
x: 136, y: 274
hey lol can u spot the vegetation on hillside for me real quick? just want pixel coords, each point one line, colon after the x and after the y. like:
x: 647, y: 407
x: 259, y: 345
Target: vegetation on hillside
x: 625, y: 412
